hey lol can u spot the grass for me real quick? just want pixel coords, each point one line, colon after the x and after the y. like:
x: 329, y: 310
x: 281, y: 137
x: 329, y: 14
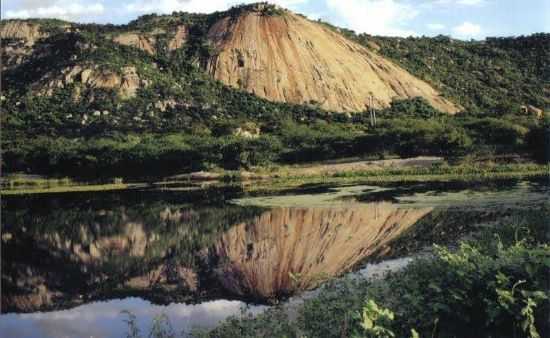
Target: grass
x: 19, y: 180
x: 464, y: 173
x: 63, y: 189
x: 20, y: 184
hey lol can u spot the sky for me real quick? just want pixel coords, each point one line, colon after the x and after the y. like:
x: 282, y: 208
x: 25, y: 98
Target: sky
x: 462, y: 19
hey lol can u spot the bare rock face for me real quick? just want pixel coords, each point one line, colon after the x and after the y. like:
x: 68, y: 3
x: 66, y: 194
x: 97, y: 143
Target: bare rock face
x: 18, y: 39
x: 131, y: 242
x: 143, y: 42
x: 21, y: 30
x: 291, y: 249
x: 288, y: 58
x: 179, y: 39
x: 130, y: 82
x: 147, y: 41
x: 126, y: 83
x: 532, y: 110
x: 166, y: 277
x: 164, y: 105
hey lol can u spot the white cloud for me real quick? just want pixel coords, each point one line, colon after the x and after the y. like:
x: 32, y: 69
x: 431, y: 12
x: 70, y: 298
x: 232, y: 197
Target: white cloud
x: 467, y: 30
x: 435, y: 26
x: 446, y: 3
x: 62, y: 9
x: 379, y: 17
x: 470, y: 2
x: 196, y: 6
x: 87, y: 9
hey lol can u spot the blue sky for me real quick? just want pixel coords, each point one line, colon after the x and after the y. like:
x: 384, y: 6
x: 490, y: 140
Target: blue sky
x: 464, y: 19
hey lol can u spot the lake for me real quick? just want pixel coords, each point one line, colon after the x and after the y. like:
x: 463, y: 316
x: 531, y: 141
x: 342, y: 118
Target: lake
x: 72, y: 263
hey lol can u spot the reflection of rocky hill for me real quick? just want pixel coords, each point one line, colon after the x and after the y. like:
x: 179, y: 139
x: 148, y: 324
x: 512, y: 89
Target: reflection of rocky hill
x: 57, y: 269
x: 57, y: 258
x: 290, y: 249
x: 56, y: 255
x: 61, y: 258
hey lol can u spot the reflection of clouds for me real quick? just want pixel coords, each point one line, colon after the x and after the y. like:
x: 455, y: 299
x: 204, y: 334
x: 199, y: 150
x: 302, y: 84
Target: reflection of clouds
x: 64, y: 328
x: 104, y: 319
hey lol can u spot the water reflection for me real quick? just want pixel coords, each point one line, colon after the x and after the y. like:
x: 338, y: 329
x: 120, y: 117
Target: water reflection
x: 105, y: 320
x: 64, y: 251
x: 166, y: 252
x: 285, y: 250
x: 57, y: 256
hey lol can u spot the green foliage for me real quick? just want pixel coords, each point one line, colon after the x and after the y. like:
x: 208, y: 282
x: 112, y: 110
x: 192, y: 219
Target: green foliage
x: 373, y: 322
x: 417, y: 107
x: 494, y: 76
x: 472, y: 291
x: 316, y: 141
x: 133, y: 330
x: 538, y: 140
x: 421, y: 137
x: 498, y: 132
x: 286, y: 141
x: 246, y: 153
x: 161, y: 327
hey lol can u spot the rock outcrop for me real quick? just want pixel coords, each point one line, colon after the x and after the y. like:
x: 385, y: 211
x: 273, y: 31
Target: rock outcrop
x: 140, y: 41
x: 291, y: 249
x: 148, y: 41
x: 287, y: 58
x: 18, y: 40
x: 179, y: 39
x: 21, y: 30
x: 125, y: 83
x: 13, y: 54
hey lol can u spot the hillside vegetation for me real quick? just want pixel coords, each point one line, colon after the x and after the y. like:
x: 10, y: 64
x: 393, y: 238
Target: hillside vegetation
x: 93, y: 100
x: 493, y: 76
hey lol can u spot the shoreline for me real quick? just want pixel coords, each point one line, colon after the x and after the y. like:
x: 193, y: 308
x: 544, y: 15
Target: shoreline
x: 415, y: 170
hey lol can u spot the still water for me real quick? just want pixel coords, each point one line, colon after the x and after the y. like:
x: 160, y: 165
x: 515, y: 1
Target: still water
x: 72, y: 263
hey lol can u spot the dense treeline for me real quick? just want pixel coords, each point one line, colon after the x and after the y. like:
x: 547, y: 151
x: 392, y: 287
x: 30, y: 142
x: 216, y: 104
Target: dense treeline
x: 150, y: 154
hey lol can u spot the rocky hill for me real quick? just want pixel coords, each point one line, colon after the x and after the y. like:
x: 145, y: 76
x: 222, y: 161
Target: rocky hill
x: 262, y: 49
x: 285, y: 57
x: 171, y: 63
x: 293, y: 88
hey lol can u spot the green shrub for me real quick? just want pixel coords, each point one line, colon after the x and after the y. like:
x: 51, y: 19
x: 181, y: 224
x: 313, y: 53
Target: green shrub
x: 499, y: 132
x: 412, y: 137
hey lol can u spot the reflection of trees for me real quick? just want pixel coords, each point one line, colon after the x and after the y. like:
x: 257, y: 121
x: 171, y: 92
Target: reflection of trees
x: 289, y: 249
x: 52, y: 254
